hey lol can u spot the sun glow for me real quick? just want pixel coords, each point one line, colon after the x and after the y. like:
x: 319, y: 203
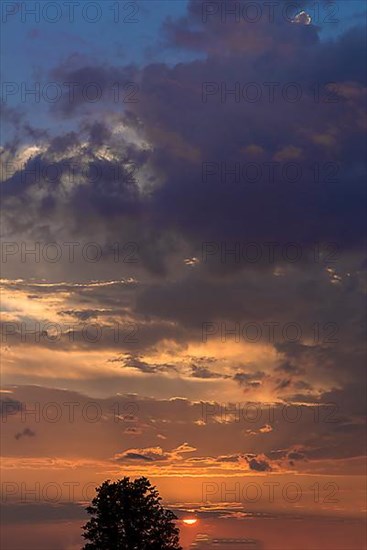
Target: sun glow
x: 190, y: 521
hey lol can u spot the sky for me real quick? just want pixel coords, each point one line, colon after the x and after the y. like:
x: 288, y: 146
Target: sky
x: 183, y: 264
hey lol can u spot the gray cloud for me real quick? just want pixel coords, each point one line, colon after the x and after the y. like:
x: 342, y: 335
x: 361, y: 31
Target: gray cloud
x: 27, y: 432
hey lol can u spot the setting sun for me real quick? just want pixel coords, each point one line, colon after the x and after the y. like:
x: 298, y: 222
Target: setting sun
x: 190, y: 521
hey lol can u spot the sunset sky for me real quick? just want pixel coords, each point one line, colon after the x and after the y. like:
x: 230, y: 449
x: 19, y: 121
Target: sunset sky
x: 183, y: 264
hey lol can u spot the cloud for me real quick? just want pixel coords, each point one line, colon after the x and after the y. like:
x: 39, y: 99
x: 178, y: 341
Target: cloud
x: 154, y: 454
x: 302, y: 18
x: 156, y: 173
x: 136, y: 362
x: 229, y: 458
x: 249, y: 379
x: 132, y: 429
x: 172, y: 198
x: 266, y: 429
x: 258, y: 464
x: 27, y: 432
x: 199, y: 371
x: 289, y: 368
x: 295, y: 455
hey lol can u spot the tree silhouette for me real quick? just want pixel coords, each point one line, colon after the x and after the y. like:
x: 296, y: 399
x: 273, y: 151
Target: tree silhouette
x: 127, y: 515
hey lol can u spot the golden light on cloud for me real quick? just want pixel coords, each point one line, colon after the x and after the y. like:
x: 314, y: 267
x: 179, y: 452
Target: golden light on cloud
x: 302, y: 18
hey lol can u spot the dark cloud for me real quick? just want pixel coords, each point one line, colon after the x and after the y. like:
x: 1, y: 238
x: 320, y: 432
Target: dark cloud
x: 107, y: 84
x: 229, y: 458
x: 282, y: 384
x: 135, y: 362
x: 199, y: 371
x: 258, y: 464
x: 135, y: 456
x: 27, y: 432
x: 87, y: 314
x: 294, y: 455
x: 289, y: 368
x: 249, y: 379
x: 170, y: 106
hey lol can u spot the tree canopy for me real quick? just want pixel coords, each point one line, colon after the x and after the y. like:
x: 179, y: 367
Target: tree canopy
x: 128, y: 515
